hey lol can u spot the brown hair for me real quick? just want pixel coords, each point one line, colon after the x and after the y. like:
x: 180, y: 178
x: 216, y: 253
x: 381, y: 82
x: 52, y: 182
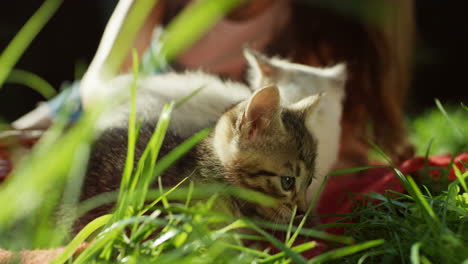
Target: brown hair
x: 377, y: 50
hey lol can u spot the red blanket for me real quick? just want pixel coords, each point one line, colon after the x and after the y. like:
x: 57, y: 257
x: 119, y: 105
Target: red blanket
x: 335, y: 198
x: 342, y: 192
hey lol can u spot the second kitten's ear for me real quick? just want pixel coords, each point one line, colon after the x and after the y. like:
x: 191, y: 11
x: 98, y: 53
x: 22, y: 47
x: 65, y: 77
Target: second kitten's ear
x: 260, y: 67
x: 261, y: 112
x: 308, y: 105
x: 258, y: 61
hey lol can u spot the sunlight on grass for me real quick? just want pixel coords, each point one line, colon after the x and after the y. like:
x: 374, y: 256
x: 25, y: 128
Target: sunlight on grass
x: 447, y: 127
x: 187, y: 223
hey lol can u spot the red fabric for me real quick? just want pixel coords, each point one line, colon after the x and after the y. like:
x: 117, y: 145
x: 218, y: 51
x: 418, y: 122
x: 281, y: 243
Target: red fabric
x: 341, y: 192
x: 10, y: 141
x: 336, y: 199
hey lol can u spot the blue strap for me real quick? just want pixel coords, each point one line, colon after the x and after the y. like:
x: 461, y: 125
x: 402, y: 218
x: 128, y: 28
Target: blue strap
x: 69, y: 97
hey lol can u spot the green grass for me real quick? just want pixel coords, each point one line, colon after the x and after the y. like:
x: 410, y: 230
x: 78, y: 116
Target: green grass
x: 445, y: 129
x: 25, y: 36
x: 186, y: 224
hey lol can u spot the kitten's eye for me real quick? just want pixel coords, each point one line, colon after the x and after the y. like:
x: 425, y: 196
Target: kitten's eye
x: 287, y: 182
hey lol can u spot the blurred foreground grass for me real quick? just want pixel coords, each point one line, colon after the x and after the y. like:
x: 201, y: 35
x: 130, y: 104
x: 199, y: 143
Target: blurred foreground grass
x: 188, y: 225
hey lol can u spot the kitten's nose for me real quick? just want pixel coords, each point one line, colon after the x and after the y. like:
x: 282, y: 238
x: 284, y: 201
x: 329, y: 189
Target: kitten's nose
x: 300, y: 212
x: 302, y: 206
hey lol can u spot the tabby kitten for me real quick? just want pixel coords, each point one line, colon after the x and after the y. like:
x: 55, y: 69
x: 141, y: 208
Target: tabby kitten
x: 296, y: 81
x: 258, y: 144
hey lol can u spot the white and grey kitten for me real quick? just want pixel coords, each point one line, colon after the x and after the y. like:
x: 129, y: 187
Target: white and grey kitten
x: 297, y: 81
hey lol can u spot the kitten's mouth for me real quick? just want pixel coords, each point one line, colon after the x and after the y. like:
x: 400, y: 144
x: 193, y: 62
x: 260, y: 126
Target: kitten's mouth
x: 281, y: 215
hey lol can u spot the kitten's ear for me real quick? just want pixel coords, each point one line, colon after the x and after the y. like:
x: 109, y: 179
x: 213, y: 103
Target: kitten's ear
x: 338, y: 74
x: 260, y: 66
x: 308, y: 105
x: 262, y: 110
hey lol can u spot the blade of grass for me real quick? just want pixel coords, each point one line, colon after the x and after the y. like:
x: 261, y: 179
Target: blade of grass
x: 130, y: 26
x: 33, y: 81
x: 24, y: 37
x: 148, y: 165
x: 291, y: 221
x: 464, y: 106
x: 257, y: 253
x: 346, y: 251
x: 441, y: 108
x: 312, y: 205
x: 188, y: 97
x: 235, y: 225
x: 81, y: 237
x: 352, y: 170
x: 461, y: 177
x: 107, y: 236
x: 70, y: 198
x: 124, y: 202
x: 415, y: 253
x: 433, y: 222
x: 46, y: 172
x: 370, y: 254
x: 127, y: 173
x: 144, y: 175
x: 116, y: 42
x: 396, y: 171
x: 308, y: 232
x: 288, y: 251
x: 299, y: 249
x: 189, y: 194
x: 160, y: 198
x: 180, y: 150
x: 202, y: 16
x: 180, y: 194
x: 426, y: 156
x: 464, y: 164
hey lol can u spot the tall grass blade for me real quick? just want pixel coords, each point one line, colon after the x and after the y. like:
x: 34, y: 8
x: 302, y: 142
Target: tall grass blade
x: 287, y: 251
x: 461, y: 177
x: 33, y: 81
x: 122, y: 44
x: 415, y: 258
x: 345, y: 251
x: 307, y: 232
x: 89, y: 229
x: 441, y: 108
x: 180, y: 150
x: 116, y: 42
x: 352, y: 170
x: 25, y: 36
x: 299, y: 249
x: 132, y: 138
x: 464, y: 106
x: 35, y: 175
x: 202, y: 16
x: 417, y: 194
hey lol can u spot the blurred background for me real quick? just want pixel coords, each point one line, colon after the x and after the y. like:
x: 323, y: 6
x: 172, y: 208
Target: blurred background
x: 65, y: 47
